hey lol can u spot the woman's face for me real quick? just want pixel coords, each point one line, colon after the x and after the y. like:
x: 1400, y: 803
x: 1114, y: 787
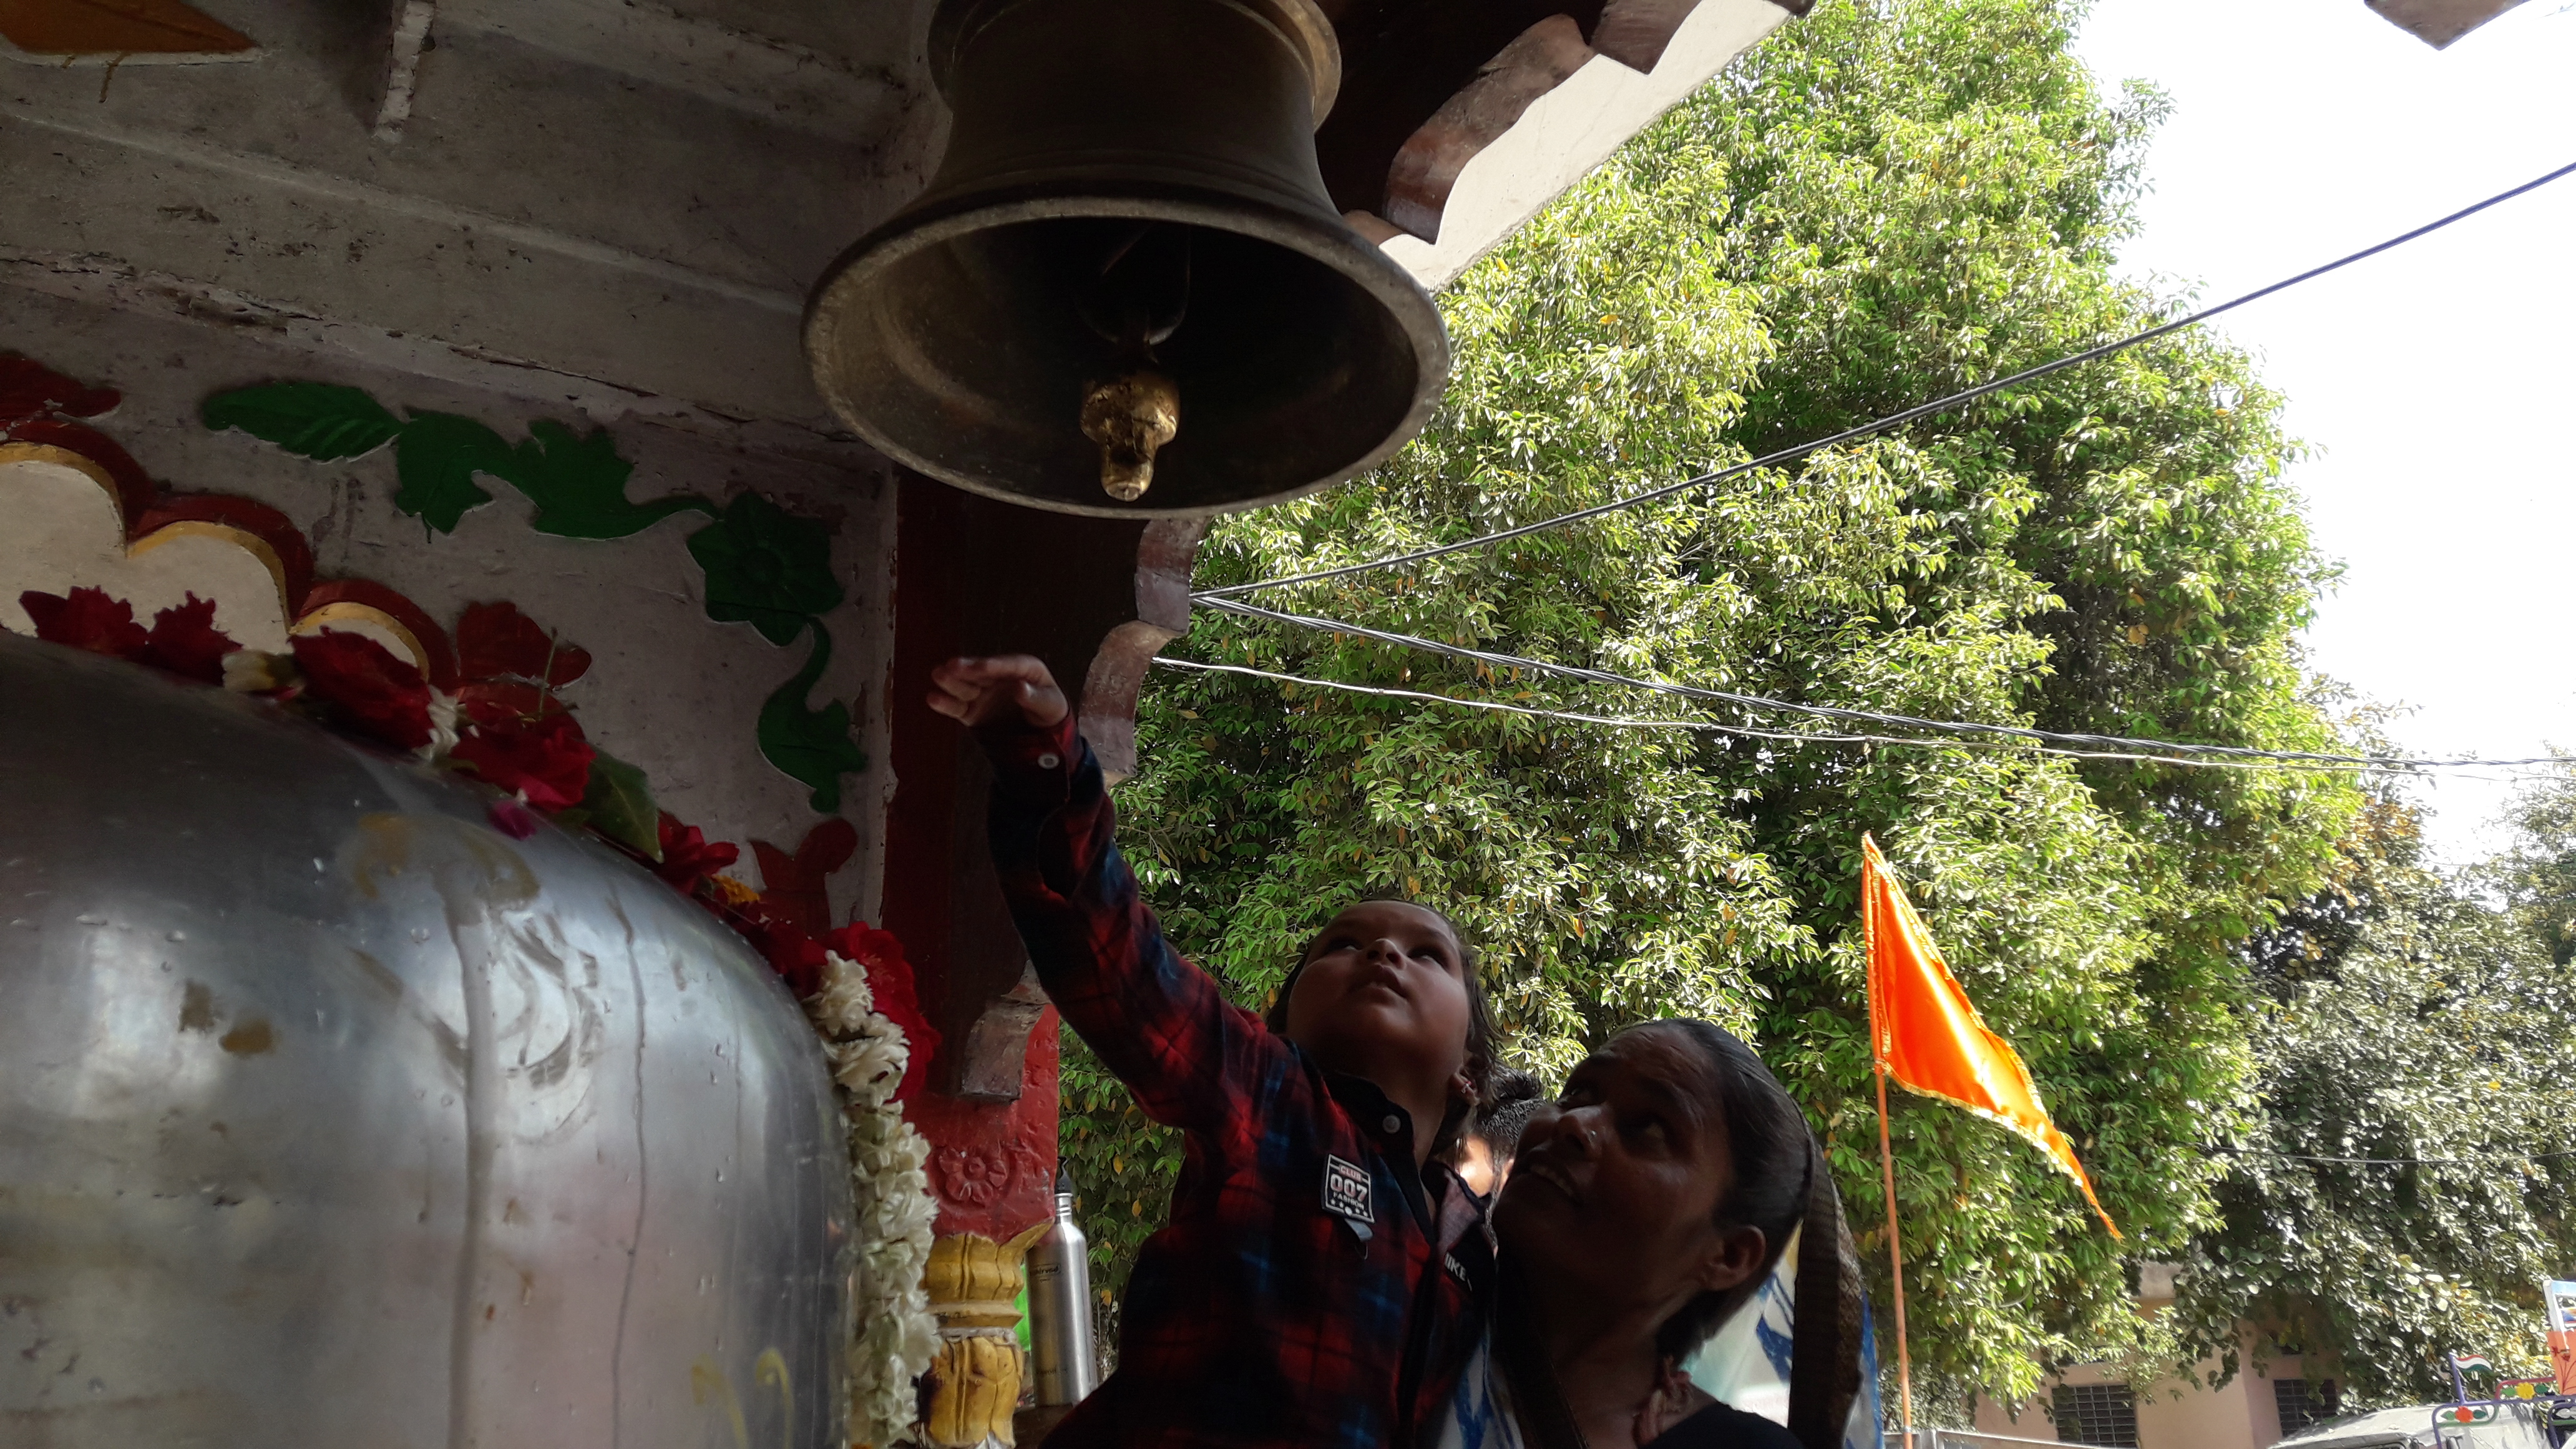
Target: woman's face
x: 1616, y: 1186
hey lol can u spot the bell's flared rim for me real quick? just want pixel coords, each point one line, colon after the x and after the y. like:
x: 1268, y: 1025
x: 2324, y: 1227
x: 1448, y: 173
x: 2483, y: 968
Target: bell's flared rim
x: 1329, y: 241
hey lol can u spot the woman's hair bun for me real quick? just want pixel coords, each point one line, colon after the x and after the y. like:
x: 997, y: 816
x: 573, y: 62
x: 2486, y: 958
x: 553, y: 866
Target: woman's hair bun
x: 1512, y: 1097
x: 1509, y: 1085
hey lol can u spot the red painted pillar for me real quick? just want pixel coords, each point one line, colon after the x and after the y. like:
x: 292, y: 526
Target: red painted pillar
x: 1095, y: 598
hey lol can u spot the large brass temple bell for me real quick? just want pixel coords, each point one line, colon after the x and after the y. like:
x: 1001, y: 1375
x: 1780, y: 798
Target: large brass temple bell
x: 1126, y: 291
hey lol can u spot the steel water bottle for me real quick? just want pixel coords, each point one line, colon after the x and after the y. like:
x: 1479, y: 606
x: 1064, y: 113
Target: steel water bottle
x: 1060, y: 1306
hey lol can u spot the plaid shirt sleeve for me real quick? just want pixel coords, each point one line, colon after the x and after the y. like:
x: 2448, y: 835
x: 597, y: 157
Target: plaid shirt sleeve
x: 1194, y: 1059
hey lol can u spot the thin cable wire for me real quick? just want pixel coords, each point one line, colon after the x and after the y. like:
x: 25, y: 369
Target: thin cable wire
x: 2396, y: 1161
x: 1892, y: 420
x: 2086, y: 742
x: 1784, y: 736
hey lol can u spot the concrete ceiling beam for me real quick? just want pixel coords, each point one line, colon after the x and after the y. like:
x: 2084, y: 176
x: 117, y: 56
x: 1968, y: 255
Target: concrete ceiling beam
x: 780, y: 81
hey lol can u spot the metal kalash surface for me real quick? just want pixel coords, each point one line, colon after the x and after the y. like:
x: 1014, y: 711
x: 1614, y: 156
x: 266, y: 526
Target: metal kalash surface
x: 330, y: 1116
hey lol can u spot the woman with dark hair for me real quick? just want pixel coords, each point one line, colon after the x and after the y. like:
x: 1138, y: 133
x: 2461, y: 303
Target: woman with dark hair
x: 1647, y: 1204
x: 1483, y: 1156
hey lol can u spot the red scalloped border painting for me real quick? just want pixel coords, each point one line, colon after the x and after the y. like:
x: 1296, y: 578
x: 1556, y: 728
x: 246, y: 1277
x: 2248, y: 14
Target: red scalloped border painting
x: 41, y: 406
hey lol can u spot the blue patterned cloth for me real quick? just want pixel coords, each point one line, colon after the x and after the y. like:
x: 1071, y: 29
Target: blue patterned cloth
x: 1745, y: 1364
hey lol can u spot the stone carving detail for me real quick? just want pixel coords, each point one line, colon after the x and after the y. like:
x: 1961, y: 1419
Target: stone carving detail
x: 1538, y: 61
x: 975, y: 1380
x: 979, y: 1176
x: 971, y: 1176
x: 1553, y: 92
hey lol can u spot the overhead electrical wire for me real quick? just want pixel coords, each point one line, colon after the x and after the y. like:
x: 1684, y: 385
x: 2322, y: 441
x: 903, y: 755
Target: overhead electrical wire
x: 1892, y: 420
x: 2480, y: 1161
x: 1749, y: 732
x: 1641, y: 722
x: 2057, y: 741
x: 2051, y: 741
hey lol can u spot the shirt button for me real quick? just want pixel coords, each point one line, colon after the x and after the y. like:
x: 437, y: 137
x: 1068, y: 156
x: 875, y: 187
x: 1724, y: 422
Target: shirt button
x: 1393, y: 1124
x: 1050, y: 760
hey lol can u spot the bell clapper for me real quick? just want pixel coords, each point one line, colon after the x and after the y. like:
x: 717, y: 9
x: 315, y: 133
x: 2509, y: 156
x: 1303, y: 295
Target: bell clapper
x: 1137, y: 301
x: 1130, y: 416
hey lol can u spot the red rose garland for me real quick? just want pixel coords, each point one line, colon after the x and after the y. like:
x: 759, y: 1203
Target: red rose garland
x: 375, y: 694
x: 89, y: 619
x: 182, y: 640
x: 185, y: 641
x: 688, y: 857
x: 544, y: 761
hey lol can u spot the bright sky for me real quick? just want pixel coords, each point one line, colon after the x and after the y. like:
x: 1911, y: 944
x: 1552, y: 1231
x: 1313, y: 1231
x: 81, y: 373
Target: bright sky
x: 2436, y: 383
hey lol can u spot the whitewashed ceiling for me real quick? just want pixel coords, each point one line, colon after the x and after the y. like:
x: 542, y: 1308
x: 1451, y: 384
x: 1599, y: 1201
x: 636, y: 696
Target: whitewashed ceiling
x: 623, y: 203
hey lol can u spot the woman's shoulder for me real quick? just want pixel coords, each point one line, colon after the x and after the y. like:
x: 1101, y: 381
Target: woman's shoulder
x: 1721, y: 1427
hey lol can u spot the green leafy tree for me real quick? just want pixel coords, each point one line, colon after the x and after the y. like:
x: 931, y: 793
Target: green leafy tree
x: 2536, y: 875
x: 2405, y: 1016
x: 1881, y: 204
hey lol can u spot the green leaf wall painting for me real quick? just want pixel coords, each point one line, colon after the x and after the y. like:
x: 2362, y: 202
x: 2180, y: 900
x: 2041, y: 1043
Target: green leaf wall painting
x: 812, y: 745
x: 578, y: 483
x: 764, y: 566
x: 316, y: 420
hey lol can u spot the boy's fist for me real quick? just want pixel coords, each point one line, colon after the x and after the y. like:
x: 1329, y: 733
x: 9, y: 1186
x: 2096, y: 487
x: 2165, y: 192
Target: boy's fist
x: 978, y: 692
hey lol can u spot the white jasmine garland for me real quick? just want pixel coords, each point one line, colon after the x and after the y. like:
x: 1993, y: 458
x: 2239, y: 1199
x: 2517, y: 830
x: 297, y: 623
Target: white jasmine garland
x: 442, y: 723
x: 255, y: 671
x: 893, y: 1333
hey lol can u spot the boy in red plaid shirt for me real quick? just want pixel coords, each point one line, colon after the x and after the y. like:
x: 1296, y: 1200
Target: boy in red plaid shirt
x: 1322, y: 1277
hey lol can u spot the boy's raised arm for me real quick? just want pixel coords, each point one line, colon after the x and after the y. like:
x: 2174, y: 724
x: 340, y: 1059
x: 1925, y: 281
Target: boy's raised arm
x: 1190, y: 1056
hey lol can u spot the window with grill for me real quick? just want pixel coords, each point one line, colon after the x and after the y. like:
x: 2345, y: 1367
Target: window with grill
x: 2303, y: 1403
x: 2105, y: 1414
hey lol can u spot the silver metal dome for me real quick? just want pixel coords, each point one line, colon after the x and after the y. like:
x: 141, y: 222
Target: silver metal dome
x: 331, y: 1116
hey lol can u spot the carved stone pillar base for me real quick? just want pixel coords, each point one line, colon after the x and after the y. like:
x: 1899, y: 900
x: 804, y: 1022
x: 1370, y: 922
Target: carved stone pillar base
x: 974, y: 1284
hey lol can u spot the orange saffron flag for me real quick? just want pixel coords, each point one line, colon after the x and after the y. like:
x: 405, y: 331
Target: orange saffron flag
x: 1926, y: 1036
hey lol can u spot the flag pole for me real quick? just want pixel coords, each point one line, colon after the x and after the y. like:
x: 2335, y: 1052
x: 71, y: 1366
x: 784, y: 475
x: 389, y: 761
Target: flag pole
x: 1887, y: 1161
x: 1917, y: 1008
x: 1896, y: 1264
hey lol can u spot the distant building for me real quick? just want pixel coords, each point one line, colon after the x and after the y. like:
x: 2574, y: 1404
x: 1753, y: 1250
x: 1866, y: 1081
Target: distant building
x: 2263, y: 1403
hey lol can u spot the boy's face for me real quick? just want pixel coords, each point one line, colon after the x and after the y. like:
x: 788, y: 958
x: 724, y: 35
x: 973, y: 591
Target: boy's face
x: 1384, y: 996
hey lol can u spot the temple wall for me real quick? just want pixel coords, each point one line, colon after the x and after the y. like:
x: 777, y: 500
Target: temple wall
x: 590, y: 214
x: 670, y: 690
x: 634, y: 196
